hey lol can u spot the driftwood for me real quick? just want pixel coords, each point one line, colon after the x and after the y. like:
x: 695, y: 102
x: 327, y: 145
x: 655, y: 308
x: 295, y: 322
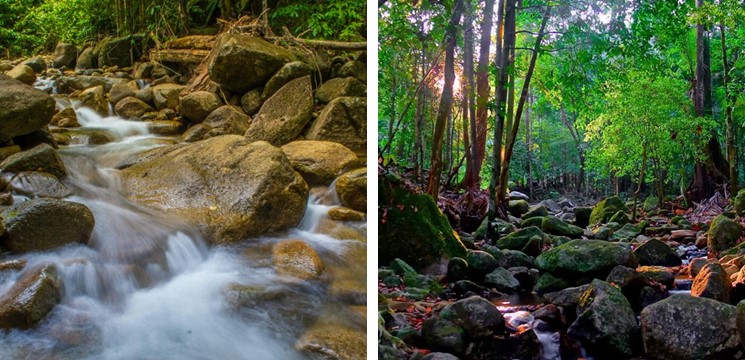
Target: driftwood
x: 181, y: 56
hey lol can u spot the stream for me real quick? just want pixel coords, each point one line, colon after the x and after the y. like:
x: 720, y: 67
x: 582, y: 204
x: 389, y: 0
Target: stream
x: 148, y: 286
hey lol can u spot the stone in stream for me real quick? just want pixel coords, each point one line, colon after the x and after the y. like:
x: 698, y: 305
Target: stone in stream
x: 166, y: 96
x: 66, y: 118
x: 94, y: 98
x: 656, y: 252
x: 23, y: 109
x: 65, y: 55
x: 287, y: 73
x: 522, y: 240
x: 319, y: 162
x: 464, y: 320
x: 517, y: 258
x: 41, y: 158
x: 548, y: 283
x: 121, y: 91
x: 625, y: 233
x: 660, y: 274
x: 723, y: 233
x: 688, y: 327
x: 37, y: 64
x: 81, y: 82
x: 46, y: 223
x: 605, y: 209
x: 343, y: 120
x: 341, y: 213
x: 605, y: 324
x: 712, y: 282
x: 132, y: 108
x: 556, y: 226
x: 197, y: 105
x: 279, y: 123
x: 351, y: 187
x: 22, y: 73
x: 31, y: 298
x: 339, y: 87
x: 226, y: 120
x: 581, y: 258
x: 325, y: 340
x: 230, y: 188
x: 166, y: 127
x: 36, y: 138
x: 243, y: 62
x: 296, y: 258
x: 38, y: 184
x: 502, y: 280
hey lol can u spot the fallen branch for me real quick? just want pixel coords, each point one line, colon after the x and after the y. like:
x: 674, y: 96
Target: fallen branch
x: 339, y: 45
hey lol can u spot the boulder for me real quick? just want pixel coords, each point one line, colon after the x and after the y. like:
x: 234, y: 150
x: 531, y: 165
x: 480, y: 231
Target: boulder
x: 42, y: 224
x: 626, y: 233
x: 22, y: 73
x: 296, y: 258
x: 457, y: 269
x: 354, y: 68
x: 332, y: 341
x: 502, y: 280
x: 605, y: 324
x: 197, y: 105
x: 521, y: 240
x: 723, y: 233
x: 340, y: 213
x: 412, y: 227
x: 226, y: 120
x: 604, y: 210
x: 37, y: 64
x: 343, y: 120
x: 319, y: 162
x: 536, y: 211
x: 122, y: 51
x: 739, y: 202
x: 548, y: 283
x: 555, y: 226
x: 687, y: 327
x: 87, y: 59
x: 581, y: 258
x: 41, y: 158
x: 37, y: 184
x: 166, y: 127
x: 480, y: 263
x: 478, y: 317
x: 582, y: 216
x: 712, y: 282
x: 94, y: 99
x: 339, y: 87
x: 121, y: 91
x: 132, y: 108
x: 259, y: 192
x: 288, y: 72
x: 166, y: 96
x: 656, y: 252
x: 279, y: 123
x: 351, y: 187
x: 30, y: 298
x: 82, y: 82
x: 518, y: 207
x: 251, y: 101
x: 65, y: 55
x: 23, y: 109
x: 244, y: 62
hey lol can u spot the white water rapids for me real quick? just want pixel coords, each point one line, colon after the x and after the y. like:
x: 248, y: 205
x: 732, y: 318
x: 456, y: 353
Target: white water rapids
x: 148, y: 287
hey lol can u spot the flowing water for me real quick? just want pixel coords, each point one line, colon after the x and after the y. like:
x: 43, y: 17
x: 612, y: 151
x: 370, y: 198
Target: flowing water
x: 148, y: 286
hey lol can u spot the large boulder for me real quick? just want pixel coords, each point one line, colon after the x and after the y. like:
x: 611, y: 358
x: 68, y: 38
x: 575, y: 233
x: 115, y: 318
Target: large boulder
x: 93, y: 98
x: 65, y: 55
x: 687, y: 327
x: 288, y: 72
x: 197, y: 105
x: 656, y: 252
x: 412, y: 227
x: 723, y: 233
x: 528, y: 240
x: 30, y: 298
x: 132, y: 108
x: 279, y: 123
x: 712, y: 282
x: 244, y: 62
x: 351, y: 187
x: 121, y: 91
x: 555, y: 226
x: 42, y: 224
x: 343, y: 120
x: 339, y: 87
x: 296, y: 258
x: 23, y: 73
x: 605, y: 324
x: 166, y: 96
x: 87, y: 59
x: 604, y: 210
x: 225, y: 120
x: 739, y: 202
x: 23, y: 109
x: 461, y: 322
x: 230, y: 188
x: 581, y: 258
x: 319, y: 162
x: 41, y: 158
x: 122, y: 51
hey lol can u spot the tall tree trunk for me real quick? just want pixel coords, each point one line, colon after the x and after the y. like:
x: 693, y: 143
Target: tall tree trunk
x: 528, y: 146
x: 641, y: 181
x: 446, y: 101
x: 184, y: 14
x: 469, y: 110
x: 729, y: 103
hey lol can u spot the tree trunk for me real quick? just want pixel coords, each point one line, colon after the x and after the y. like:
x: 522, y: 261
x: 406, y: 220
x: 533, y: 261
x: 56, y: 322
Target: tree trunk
x: 184, y: 14
x: 528, y: 149
x: 446, y: 101
x: 729, y: 103
x: 641, y: 181
x: 469, y: 110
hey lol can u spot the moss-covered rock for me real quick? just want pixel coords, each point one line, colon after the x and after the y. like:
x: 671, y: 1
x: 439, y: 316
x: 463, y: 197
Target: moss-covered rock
x: 582, y: 216
x: 457, y: 269
x: 503, y: 227
x: 626, y: 233
x: 481, y: 263
x: 536, y: 221
x: 518, y: 207
x: 537, y: 210
x: 739, y: 202
x: 656, y: 252
x: 522, y: 240
x: 550, y: 283
x: 556, y: 226
x: 412, y: 228
x: 620, y: 217
x: 502, y: 280
x: 604, y: 210
x: 579, y: 258
x: 723, y: 233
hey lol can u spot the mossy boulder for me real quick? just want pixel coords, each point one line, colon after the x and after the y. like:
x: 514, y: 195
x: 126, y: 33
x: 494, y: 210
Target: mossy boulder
x: 556, y: 226
x: 582, y: 216
x: 503, y: 227
x: 534, y: 221
x: 411, y: 227
x: 534, y: 211
x: 502, y: 280
x: 739, y: 202
x: 580, y: 258
x: 723, y: 233
x: 45, y: 223
x: 605, y: 209
x: 523, y: 240
x: 481, y: 263
x: 122, y: 51
x: 550, y: 283
x: 626, y: 233
x: 656, y: 252
x: 518, y: 207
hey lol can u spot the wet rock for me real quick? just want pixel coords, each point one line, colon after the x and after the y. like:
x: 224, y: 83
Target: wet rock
x: 132, y: 108
x: 723, y: 233
x: 227, y: 120
x: 259, y: 191
x: 166, y: 96
x: 585, y: 257
x: 518, y: 207
x: 660, y: 274
x: 41, y: 158
x: 468, y: 287
x: 23, y: 109
x: 696, y: 265
x: 567, y: 298
x: 244, y: 62
x: 443, y: 335
x: 121, y: 91
x: 656, y: 252
x: 339, y: 87
x: 536, y: 211
x: 521, y: 240
x: 22, y: 73
x: 65, y: 55
x: 288, y: 72
x: 166, y: 127
x: 517, y: 258
x: 146, y: 95
x: 87, y: 59
x: 296, y: 258
x: 351, y: 187
x: 319, y: 162
x: 82, y: 82
x: 605, y: 322
x: 502, y: 280
x: 477, y: 317
x: 332, y: 341
x: 38, y: 184
x: 343, y: 120
x: 712, y: 282
x: 195, y: 133
x: 341, y: 213
x: 687, y: 327
x: 604, y: 210
x: 66, y: 118
x: 556, y: 226
x: 480, y: 263
x: 31, y: 298
x: 548, y: 283
x: 42, y: 224
x: 457, y: 269
x: 94, y: 98
x: 197, y: 105
x: 278, y: 123
x: 251, y: 101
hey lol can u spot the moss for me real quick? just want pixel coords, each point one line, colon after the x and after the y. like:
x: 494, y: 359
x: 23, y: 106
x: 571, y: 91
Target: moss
x: 605, y: 209
x: 534, y: 221
x: 585, y: 258
x: 723, y: 233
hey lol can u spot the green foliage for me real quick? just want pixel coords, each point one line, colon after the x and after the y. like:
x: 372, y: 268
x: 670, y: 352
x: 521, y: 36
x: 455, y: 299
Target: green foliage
x: 342, y: 19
